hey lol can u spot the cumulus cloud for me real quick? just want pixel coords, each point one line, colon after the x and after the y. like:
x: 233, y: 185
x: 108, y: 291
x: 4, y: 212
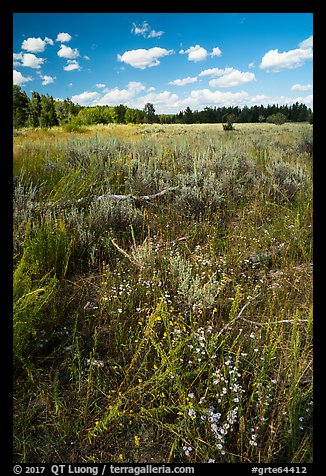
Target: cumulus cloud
x: 19, y: 79
x: 47, y: 79
x: 230, y: 77
x: 211, y: 72
x: 143, y: 58
x: 164, y: 102
x: 251, y: 65
x: 183, y: 81
x: 135, y: 87
x: 86, y: 98
x: 100, y: 85
x: 63, y: 37
x: 36, y: 45
x: 145, y: 30
x: 195, y: 53
x: 29, y: 60
x: 265, y: 100
x: 67, y: 52
x: 216, y: 52
x: 111, y: 97
x: 308, y: 43
x: 72, y: 65
x: 198, y: 53
x: 17, y: 58
x: 276, y: 62
x: 204, y: 97
x: 116, y: 96
x: 302, y: 87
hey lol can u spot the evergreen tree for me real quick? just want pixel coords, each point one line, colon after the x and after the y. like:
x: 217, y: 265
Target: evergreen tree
x: 34, y: 110
x: 188, y: 116
x: 120, y: 112
x: 20, y: 107
x: 149, y: 113
x: 48, y: 117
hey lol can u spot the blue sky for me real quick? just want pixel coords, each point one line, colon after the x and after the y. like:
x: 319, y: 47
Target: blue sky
x: 172, y: 60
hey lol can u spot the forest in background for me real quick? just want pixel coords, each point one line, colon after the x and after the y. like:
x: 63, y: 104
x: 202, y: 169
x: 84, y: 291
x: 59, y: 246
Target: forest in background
x: 44, y: 111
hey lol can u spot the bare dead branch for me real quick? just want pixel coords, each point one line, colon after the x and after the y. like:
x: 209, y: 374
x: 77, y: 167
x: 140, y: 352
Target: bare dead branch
x: 228, y: 324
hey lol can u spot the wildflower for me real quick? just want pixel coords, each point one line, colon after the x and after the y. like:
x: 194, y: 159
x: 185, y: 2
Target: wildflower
x: 136, y: 440
x: 187, y: 450
x: 191, y: 395
x: 211, y: 460
x: 192, y: 413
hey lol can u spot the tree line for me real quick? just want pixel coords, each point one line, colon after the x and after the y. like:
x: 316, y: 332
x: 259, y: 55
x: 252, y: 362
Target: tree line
x: 43, y: 111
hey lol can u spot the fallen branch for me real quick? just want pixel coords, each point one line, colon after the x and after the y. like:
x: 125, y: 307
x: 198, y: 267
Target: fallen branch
x: 274, y: 322
x: 228, y: 324
x: 131, y: 259
x: 136, y: 198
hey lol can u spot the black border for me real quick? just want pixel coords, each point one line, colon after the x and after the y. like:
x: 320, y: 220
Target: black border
x: 237, y: 6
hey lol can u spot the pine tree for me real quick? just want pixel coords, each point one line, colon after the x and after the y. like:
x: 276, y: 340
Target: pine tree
x: 20, y: 107
x: 34, y: 110
x: 48, y: 117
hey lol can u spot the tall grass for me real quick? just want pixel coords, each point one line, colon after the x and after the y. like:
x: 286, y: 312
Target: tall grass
x: 174, y: 330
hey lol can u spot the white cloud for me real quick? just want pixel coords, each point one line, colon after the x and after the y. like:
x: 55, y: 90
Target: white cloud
x: 36, y: 45
x: 164, y: 102
x: 100, y: 85
x: 216, y: 52
x: 204, y: 97
x: 63, y: 37
x: 142, y: 58
x: 276, y: 62
x: 19, y: 79
x: 31, y: 61
x: 302, y: 87
x: 47, y: 80
x: 17, y: 58
x: 211, y: 72
x: 251, y: 65
x: 86, y: 57
x: 281, y: 100
x: 198, y: 53
x: 146, y: 31
x: 72, y: 65
x: 116, y: 96
x: 230, y: 77
x: 308, y: 43
x: 183, y: 81
x: 135, y: 87
x: 195, y: 53
x: 86, y: 98
x: 67, y: 52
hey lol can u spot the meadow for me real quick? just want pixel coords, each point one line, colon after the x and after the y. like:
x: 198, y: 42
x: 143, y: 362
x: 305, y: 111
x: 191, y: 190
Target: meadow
x: 166, y: 328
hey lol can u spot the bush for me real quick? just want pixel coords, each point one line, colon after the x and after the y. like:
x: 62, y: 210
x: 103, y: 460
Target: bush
x: 228, y: 127
x: 74, y: 126
x: 277, y: 118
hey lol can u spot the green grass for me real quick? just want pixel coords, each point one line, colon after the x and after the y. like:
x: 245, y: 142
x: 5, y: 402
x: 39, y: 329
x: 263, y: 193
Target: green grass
x: 176, y: 330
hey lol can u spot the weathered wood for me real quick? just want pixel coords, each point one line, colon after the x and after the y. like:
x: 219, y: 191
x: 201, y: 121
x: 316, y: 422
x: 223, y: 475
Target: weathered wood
x: 134, y: 198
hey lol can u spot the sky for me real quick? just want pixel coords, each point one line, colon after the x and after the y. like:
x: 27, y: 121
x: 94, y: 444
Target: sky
x: 172, y: 60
